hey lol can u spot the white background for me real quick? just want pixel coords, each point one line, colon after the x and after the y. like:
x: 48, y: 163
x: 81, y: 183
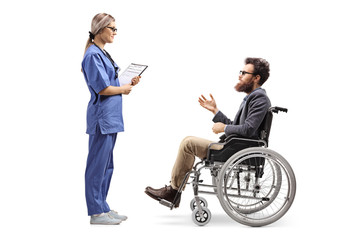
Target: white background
x: 192, y: 48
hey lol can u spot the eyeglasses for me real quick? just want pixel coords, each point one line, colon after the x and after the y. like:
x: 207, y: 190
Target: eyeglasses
x: 113, y: 29
x: 243, y: 73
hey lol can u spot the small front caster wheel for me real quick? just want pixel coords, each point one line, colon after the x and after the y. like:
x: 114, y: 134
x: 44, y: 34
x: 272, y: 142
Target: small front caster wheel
x: 203, y: 218
x: 193, y: 204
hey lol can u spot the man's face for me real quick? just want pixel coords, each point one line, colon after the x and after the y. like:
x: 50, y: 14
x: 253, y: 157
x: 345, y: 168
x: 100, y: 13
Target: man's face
x: 246, y: 80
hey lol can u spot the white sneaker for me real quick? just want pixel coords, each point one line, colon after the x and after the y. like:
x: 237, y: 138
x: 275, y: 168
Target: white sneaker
x: 115, y: 215
x: 104, y: 219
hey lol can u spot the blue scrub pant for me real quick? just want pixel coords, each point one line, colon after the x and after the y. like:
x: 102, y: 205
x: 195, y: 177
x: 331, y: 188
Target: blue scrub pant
x: 99, y: 169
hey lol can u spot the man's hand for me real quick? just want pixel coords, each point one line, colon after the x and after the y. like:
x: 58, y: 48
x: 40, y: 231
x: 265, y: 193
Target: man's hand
x: 208, y: 104
x: 218, y: 127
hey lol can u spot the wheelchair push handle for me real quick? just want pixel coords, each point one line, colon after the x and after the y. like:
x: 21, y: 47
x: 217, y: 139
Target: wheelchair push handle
x: 277, y: 109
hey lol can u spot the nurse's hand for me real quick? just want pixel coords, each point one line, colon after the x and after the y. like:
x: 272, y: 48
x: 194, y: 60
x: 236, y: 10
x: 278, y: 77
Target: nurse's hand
x: 135, y: 80
x: 126, y: 89
x: 113, y: 90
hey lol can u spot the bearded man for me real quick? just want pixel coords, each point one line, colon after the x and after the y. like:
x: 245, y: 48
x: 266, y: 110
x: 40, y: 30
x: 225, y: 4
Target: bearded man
x: 246, y: 124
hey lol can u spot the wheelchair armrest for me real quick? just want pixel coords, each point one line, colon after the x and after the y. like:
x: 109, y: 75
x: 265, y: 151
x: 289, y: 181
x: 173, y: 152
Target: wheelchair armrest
x: 250, y: 141
x: 231, y: 145
x: 233, y: 137
x: 223, y: 138
x: 228, y: 138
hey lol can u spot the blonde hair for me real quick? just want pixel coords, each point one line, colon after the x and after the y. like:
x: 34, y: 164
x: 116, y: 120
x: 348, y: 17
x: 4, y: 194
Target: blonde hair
x: 98, y: 23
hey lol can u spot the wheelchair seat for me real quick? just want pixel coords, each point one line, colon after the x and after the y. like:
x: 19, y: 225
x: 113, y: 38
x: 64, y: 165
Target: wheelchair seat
x: 234, y: 143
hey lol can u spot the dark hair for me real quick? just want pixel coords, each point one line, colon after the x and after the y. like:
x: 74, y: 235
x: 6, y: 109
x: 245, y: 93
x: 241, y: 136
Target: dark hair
x: 261, y: 68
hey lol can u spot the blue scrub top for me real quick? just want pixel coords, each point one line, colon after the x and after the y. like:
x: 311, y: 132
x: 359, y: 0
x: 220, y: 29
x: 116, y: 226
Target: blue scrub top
x: 102, y: 111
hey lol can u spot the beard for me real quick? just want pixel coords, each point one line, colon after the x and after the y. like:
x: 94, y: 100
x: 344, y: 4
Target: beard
x: 244, y: 87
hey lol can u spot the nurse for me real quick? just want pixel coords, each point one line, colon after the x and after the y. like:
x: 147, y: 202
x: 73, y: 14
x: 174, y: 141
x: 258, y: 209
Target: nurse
x: 104, y: 117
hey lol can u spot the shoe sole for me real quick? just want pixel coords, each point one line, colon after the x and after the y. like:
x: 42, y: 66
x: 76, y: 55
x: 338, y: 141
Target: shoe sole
x: 105, y: 223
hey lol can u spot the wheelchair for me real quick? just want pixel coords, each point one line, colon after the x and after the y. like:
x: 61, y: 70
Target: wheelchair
x: 256, y: 186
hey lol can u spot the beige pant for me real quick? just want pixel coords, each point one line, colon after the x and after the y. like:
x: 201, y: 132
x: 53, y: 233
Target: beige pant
x: 189, y: 148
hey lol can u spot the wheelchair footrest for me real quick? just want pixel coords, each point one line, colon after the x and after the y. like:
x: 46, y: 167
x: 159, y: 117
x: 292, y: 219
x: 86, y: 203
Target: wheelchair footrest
x: 166, y: 203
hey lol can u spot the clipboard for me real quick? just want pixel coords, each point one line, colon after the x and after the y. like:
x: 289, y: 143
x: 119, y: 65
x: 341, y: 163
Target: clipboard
x: 131, y: 71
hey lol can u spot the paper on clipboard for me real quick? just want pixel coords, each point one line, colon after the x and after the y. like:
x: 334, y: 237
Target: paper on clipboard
x: 131, y: 71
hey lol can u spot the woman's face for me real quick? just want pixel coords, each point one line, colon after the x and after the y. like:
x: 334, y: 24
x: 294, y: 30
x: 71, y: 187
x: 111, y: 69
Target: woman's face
x: 108, y: 33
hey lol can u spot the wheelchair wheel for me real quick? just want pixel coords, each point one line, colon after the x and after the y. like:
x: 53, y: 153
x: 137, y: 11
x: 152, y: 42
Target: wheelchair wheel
x: 256, y: 194
x: 201, y: 219
x: 272, y: 178
x: 276, y: 181
x: 202, y: 200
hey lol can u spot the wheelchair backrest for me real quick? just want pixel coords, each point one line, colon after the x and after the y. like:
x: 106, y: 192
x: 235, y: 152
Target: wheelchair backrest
x: 265, y: 126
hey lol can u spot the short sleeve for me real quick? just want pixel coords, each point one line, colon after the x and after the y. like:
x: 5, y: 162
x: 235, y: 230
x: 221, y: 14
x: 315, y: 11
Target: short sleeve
x: 95, y: 72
